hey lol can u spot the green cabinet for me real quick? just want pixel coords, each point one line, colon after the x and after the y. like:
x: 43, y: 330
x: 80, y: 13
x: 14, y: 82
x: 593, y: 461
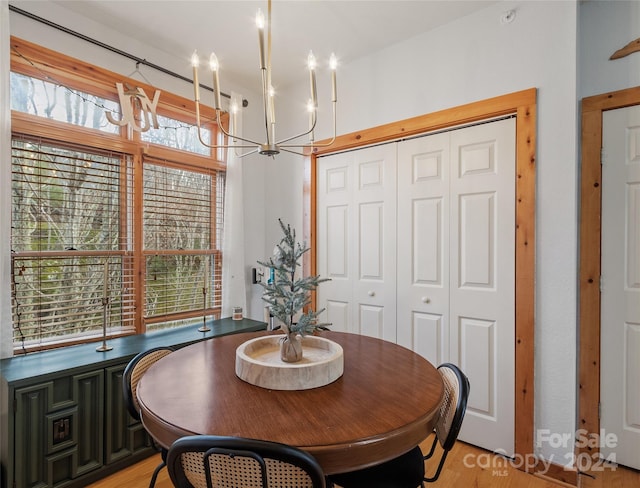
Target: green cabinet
x: 58, y: 429
x: 63, y: 422
x: 124, y: 435
x: 31, y: 436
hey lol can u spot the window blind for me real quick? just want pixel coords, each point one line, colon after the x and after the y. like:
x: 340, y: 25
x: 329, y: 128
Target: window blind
x: 68, y: 205
x: 182, y: 229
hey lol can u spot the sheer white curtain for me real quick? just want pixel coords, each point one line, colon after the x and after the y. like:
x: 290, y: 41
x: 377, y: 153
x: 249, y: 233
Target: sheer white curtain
x: 234, y: 292
x: 6, y: 342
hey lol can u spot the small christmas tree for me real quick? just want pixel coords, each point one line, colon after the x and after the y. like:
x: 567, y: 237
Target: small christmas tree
x: 287, y: 295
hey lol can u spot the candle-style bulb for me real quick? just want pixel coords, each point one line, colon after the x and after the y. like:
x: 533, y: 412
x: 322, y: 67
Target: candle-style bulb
x: 311, y: 61
x: 333, y: 64
x: 261, y: 52
x: 195, y: 62
x: 213, y: 62
x: 259, y: 19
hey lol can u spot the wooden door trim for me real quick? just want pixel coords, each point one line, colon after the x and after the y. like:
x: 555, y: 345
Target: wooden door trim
x: 589, y: 263
x: 522, y: 104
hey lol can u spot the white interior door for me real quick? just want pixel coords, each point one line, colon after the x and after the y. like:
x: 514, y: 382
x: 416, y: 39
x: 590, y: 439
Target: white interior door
x: 423, y: 246
x: 456, y: 252
x: 482, y: 283
x: 620, y: 289
x: 356, y: 240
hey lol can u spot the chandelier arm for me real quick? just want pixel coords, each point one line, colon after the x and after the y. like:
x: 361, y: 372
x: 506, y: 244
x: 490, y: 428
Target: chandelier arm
x: 326, y: 144
x: 201, y: 139
x: 245, y: 154
x: 313, y: 126
x: 293, y: 152
x: 217, y: 121
x: 229, y: 135
x: 224, y: 146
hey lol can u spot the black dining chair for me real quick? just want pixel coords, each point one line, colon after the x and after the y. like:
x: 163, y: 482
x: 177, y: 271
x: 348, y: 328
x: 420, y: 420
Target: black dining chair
x: 408, y: 470
x: 130, y: 379
x: 209, y: 461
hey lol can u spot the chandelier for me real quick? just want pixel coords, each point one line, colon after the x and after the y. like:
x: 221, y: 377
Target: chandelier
x: 270, y: 146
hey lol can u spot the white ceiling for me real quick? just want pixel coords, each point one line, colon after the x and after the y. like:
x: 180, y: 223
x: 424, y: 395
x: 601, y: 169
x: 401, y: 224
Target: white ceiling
x: 348, y: 28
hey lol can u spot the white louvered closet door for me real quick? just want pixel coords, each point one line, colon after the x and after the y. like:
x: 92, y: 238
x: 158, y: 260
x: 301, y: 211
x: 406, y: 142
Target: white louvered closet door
x: 356, y: 240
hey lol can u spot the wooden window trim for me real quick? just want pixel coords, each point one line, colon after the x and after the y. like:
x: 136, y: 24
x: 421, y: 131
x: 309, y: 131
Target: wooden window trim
x: 523, y: 105
x: 41, y: 63
x: 32, y: 60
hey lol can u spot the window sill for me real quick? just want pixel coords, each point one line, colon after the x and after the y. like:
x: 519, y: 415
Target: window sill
x: 41, y: 364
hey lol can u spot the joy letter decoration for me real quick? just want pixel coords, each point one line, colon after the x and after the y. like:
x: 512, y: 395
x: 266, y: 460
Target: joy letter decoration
x: 129, y: 99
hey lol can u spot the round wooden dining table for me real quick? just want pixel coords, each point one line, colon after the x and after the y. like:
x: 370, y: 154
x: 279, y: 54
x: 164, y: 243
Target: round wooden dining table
x: 383, y: 405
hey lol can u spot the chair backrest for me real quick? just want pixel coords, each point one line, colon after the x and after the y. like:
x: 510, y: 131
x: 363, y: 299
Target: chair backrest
x: 454, y: 404
x: 205, y: 461
x: 134, y: 371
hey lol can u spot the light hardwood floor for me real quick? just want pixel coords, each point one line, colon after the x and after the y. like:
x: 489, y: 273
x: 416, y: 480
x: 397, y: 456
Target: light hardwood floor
x: 466, y: 466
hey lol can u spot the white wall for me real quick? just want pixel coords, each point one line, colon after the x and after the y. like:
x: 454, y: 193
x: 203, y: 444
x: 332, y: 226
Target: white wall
x: 604, y: 28
x: 469, y: 60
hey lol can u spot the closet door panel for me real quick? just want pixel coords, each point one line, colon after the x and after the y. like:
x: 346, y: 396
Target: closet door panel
x: 429, y: 332
x: 375, y: 213
x: 423, y: 245
x: 370, y: 236
x: 334, y: 242
x: 337, y: 313
x: 476, y: 257
x: 477, y: 346
x: 337, y: 239
x: 356, y: 240
x: 482, y: 293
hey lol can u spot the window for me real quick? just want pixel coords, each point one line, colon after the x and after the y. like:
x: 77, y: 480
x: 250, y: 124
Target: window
x: 100, y: 213
x: 176, y: 134
x: 182, y: 270
x: 67, y: 241
x: 46, y: 99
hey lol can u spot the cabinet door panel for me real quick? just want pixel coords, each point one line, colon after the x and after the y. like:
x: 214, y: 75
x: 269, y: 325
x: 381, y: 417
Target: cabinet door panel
x: 89, y: 393
x: 118, y: 419
x: 123, y: 434
x: 31, y: 439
